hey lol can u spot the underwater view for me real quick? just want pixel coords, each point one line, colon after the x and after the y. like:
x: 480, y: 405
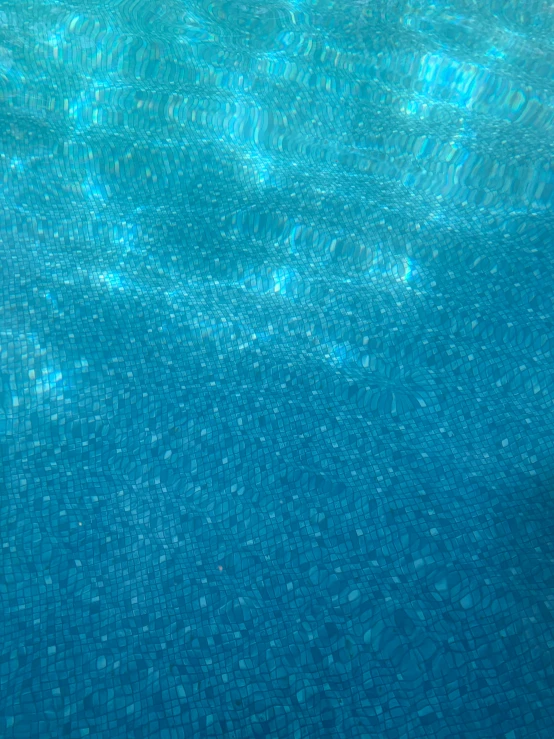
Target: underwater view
x: 277, y: 369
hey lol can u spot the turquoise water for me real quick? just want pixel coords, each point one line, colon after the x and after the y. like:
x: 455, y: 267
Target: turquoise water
x: 276, y: 372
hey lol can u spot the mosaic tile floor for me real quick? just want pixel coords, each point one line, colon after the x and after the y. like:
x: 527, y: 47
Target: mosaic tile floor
x: 276, y: 369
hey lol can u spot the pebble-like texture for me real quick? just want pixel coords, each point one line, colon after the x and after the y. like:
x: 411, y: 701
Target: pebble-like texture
x: 276, y: 369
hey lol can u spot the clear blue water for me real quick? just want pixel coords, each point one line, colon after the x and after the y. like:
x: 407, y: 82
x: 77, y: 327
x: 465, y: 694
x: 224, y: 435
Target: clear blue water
x: 276, y: 362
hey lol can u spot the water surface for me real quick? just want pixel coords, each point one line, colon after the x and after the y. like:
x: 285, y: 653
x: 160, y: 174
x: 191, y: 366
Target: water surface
x: 276, y: 373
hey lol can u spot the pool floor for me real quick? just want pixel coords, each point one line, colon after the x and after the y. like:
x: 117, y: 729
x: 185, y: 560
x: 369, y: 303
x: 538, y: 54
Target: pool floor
x: 276, y: 369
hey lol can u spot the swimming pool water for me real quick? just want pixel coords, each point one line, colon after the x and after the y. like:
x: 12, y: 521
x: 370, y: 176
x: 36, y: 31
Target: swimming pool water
x: 276, y: 369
